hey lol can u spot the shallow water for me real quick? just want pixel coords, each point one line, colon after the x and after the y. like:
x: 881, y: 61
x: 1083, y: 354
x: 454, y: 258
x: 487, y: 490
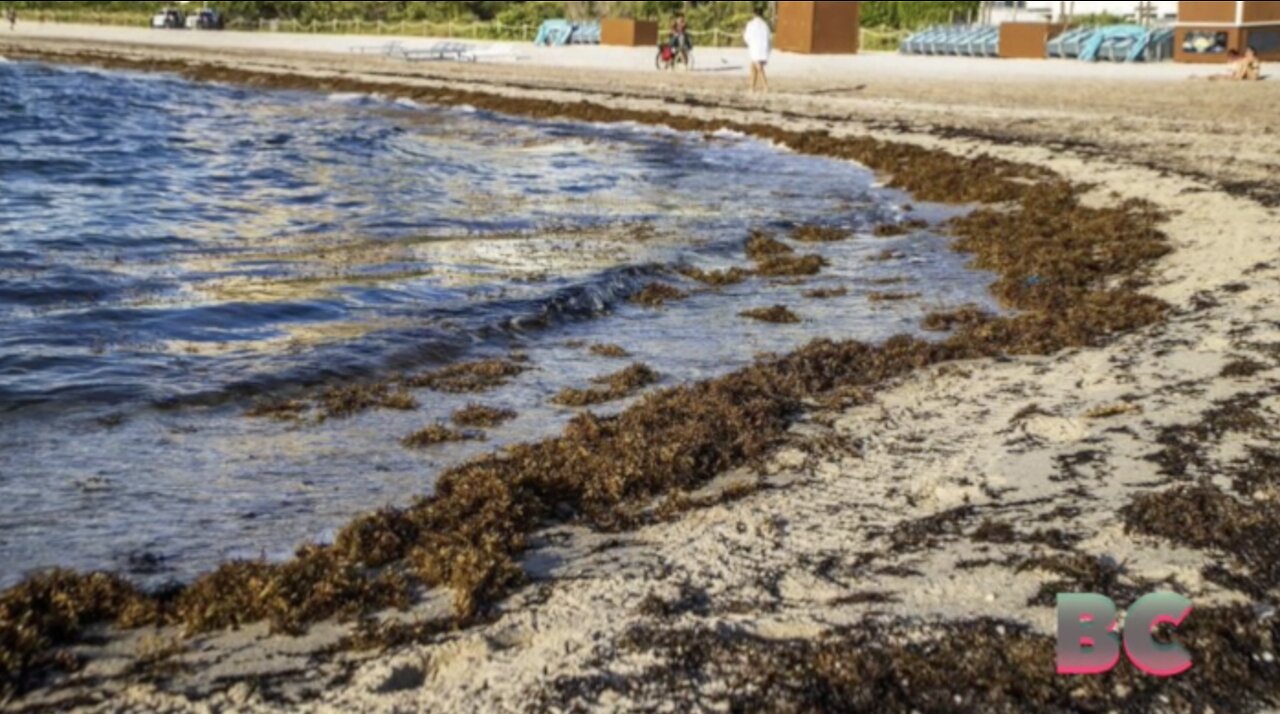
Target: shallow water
x: 170, y: 251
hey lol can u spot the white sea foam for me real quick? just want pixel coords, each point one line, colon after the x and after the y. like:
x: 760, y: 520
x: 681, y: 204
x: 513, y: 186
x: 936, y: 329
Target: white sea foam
x: 356, y: 98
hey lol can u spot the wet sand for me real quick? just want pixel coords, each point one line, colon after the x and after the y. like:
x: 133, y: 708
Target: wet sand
x: 958, y: 492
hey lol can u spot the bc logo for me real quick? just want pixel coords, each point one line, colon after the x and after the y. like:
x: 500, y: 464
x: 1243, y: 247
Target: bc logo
x: 1088, y: 642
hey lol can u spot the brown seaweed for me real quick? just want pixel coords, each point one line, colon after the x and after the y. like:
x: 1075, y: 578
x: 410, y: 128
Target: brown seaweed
x: 778, y: 315
x: 657, y: 295
x: 469, y: 377
x: 820, y: 234
x: 476, y: 416
x: 611, y: 388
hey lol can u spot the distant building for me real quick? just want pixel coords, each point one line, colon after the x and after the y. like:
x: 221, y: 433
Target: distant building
x: 1029, y: 10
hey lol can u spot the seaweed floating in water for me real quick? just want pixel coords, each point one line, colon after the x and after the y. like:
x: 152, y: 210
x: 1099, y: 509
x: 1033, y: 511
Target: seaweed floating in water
x: 717, y: 278
x: 610, y: 351
x: 353, y: 399
x: 336, y: 402
x: 762, y: 246
x: 820, y: 234
x: 657, y: 295
x: 893, y: 230
x: 778, y: 314
x: 783, y: 266
x: 612, y: 388
x: 826, y: 293
x: 468, y: 377
x: 279, y: 409
x: 476, y: 416
x: 435, y: 435
x: 892, y: 296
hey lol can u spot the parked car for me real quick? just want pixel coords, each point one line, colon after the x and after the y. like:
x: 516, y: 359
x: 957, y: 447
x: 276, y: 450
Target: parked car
x: 169, y: 20
x: 206, y: 20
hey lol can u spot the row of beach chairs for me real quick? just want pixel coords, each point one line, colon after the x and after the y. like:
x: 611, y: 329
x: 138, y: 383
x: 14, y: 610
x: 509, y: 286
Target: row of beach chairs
x: 455, y: 51
x: 955, y: 40
x: 557, y: 33
x: 1120, y: 43
x: 1123, y: 43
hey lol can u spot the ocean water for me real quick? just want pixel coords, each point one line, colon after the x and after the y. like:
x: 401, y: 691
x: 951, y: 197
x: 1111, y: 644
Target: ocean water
x: 171, y: 252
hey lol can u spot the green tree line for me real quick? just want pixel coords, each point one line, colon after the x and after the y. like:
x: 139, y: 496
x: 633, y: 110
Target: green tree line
x: 717, y: 13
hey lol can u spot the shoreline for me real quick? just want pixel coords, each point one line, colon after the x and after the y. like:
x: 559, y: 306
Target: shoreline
x: 1048, y: 428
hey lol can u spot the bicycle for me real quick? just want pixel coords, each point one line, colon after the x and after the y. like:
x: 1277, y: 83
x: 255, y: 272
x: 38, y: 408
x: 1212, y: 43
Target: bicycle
x: 669, y: 58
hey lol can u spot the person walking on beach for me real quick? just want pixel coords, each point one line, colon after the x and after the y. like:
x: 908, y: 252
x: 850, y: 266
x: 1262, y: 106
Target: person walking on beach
x: 759, y: 39
x: 13, y: 19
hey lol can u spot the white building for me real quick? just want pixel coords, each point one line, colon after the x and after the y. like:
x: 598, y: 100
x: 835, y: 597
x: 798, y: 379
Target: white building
x: 1029, y: 10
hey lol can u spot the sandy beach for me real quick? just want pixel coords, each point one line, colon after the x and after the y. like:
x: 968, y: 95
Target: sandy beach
x: 941, y: 508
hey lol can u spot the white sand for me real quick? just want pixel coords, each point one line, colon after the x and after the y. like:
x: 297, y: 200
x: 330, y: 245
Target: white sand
x: 708, y: 60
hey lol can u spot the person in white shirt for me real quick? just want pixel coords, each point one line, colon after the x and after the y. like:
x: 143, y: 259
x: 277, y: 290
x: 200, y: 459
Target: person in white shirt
x: 759, y: 39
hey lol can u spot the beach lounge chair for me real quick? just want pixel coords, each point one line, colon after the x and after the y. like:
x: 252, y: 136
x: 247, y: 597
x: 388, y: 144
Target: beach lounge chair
x: 1115, y: 41
x: 1068, y: 44
x: 991, y: 46
x: 918, y: 44
x: 440, y: 51
x: 585, y: 33
x: 554, y: 33
x: 388, y: 49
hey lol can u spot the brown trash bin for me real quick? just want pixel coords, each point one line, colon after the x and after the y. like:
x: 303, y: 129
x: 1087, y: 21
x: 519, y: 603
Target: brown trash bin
x: 629, y: 33
x: 1027, y: 40
x: 818, y: 27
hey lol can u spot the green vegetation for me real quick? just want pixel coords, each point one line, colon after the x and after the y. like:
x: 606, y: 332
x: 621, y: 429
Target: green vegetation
x: 725, y: 16
x: 913, y: 15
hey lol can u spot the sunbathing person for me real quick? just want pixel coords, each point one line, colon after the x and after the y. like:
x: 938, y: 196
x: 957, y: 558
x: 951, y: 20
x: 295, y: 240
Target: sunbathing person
x: 1244, y: 68
x: 1235, y: 62
x: 1251, y: 66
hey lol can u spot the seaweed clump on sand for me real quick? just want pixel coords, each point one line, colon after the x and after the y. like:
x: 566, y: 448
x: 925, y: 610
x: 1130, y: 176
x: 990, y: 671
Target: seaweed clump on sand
x: 435, y: 435
x: 778, y: 315
x: 1203, y: 516
x: 1054, y: 257
x: 477, y: 416
x: 611, y: 388
x: 470, y: 377
x: 909, y: 667
x: 49, y: 611
x: 820, y: 234
x: 968, y: 316
x: 656, y: 295
x: 317, y: 584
